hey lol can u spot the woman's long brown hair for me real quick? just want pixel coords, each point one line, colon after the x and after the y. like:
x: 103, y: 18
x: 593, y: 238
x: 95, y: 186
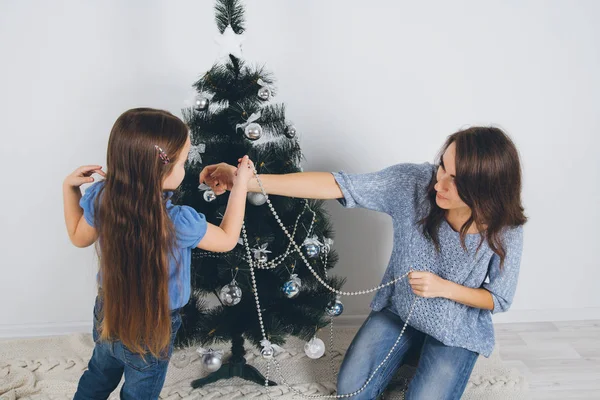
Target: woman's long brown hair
x: 488, y: 179
x: 135, y: 232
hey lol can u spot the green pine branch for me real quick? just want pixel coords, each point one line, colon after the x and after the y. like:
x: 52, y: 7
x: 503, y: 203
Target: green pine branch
x: 230, y: 12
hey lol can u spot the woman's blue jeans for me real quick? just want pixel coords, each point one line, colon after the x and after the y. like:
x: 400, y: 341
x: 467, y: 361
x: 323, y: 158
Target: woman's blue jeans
x: 442, y: 371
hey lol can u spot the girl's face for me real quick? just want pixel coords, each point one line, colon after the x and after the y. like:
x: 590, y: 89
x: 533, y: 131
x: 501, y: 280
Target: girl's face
x: 174, y: 179
x: 447, y: 196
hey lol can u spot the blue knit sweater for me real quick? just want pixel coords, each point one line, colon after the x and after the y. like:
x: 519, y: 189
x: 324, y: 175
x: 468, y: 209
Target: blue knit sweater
x: 400, y: 191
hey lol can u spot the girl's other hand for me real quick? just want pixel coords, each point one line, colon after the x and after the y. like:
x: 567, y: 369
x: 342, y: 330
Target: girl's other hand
x: 83, y: 175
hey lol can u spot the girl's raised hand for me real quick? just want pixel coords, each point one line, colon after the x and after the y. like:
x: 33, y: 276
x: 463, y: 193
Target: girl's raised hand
x: 244, y: 172
x: 83, y: 175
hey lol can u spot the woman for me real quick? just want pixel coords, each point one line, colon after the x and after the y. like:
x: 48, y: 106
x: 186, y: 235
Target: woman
x: 457, y: 234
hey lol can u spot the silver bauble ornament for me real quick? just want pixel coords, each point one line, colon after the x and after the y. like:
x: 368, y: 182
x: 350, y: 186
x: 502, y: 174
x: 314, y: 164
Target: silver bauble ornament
x: 256, y: 199
x: 209, y: 196
x: 312, y: 250
x: 211, y: 361
x: 315, y: 348
x: 312, y: 246
x: 290, y: 131
x: 201, y: 103
x: 253, y: 131
x: 264, y: 93
x: 267, y: 352
x: 292, y: 287
x: 261, y: 253
x: 335, y: 309
x: 231, y: 294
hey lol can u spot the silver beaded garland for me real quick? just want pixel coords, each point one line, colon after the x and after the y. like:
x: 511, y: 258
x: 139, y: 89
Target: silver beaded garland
x: 269, y: 354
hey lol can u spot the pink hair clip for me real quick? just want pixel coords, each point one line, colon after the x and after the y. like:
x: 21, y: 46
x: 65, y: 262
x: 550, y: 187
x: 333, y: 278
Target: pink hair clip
x: 163, y: 156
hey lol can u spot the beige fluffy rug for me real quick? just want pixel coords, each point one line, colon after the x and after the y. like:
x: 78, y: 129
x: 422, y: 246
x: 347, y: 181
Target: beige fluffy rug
x: 49, y: 368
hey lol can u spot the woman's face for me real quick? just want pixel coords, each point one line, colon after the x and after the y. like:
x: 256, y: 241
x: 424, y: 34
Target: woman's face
x: 447, y: 196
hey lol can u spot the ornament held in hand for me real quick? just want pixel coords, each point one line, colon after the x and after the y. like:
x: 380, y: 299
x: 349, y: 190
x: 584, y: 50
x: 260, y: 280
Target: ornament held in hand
x: 208, y: 194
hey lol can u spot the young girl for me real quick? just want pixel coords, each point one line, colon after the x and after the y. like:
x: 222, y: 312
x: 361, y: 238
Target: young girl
x: 145, y: 245
x: 458, y: 227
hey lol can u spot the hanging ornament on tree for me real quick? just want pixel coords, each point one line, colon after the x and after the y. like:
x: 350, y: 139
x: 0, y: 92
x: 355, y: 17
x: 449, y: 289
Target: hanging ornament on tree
x: 327, y: 245
x: 252, y: 130
x: 264, y: 93
x: 195, y: 155
x: 201, y: 103
x: 267, y: 351
x: 336, y: 308
x: 261, y: 253
x: 208, y: 195
x: 292, y: 287
x: 211, y: 359
x: 314, y: 348
x: 290, y: 131
x: 230, y: 295
x: 312, y: 246
x: 256, y: 199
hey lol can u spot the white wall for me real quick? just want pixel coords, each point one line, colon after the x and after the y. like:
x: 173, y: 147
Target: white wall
x: 367, y: 85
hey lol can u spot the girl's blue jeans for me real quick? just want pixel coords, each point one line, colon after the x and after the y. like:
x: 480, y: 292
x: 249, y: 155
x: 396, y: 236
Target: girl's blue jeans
x: 144, y: 376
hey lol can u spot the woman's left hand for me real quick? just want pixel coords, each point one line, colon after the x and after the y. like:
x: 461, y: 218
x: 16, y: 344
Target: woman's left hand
x: 427, y: 284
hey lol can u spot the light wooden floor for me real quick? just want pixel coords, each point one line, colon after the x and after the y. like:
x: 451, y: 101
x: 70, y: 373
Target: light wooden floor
x: 560, y: 359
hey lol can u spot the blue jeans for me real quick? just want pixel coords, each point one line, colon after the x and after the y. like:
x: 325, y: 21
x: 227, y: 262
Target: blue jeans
x: 144, y: 377
x: 442, y: 372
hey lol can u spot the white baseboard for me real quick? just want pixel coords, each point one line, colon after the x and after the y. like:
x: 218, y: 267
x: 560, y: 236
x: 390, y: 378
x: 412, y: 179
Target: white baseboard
x: 40, y: 330
x: 344, y: 320
x: 560, y: 314
x: 512, y: 316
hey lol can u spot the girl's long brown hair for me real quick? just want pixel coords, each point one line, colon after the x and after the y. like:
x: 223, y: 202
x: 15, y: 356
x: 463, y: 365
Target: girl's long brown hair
x: 488, y: 179
x: 135, y: 232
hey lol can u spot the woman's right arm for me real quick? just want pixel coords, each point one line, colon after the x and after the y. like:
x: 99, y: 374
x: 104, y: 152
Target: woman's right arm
x: 304, y: 185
